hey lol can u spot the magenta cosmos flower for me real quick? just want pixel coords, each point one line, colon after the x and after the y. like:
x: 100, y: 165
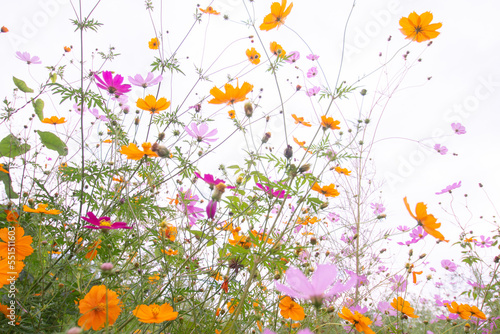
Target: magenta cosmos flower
x: 209, y: 178
x: 449, y: 188
x: 458, y: 128
x: 313, y: 71
x: 201, y: 133
x: 312, y: 57
x: 293, y: 57
x: 441, y: 149
x: 449, y: 265
x: 112, y: 85
x: 25, y: 56
x: 271, y: 192
x: 313, y: 91
x: 103, y: 223
x: 485, y: 242
x: 323, y: 284
x: 150, y: 80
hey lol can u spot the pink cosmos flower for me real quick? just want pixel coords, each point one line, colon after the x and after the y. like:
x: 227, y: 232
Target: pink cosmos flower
x: 312, y: 57
x: 25, y: 56
x: 112, y: 85
x: 150, y: 80
x: 441, y: 149
x: 103, y: 223
x: 418, y: 233
x: 333, y: 217
x: 293, y: 57
x: 187, y: 204
x: 451, y: 316
x: 449, y: 265
x: 386, y: 308
x: 403, y: 228
x: 378, y: 207
x: 399, y: 282
x: 271, y: 192
x: 209, y: 178
x: 78, y: 108
x: 458, y: 128
x: 313, y: 91
x: 313, y: 71
x: 323, y: 284
x: 201, y: 133
x: 95, y: 112
x: 484, y: 242
x: 449, y: 188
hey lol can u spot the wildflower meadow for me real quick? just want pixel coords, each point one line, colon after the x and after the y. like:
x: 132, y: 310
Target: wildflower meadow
x: 248, y: 166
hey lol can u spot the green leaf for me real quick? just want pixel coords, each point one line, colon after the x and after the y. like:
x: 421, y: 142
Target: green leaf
x: 52, y: 142
x: 11, y: 147
x: 5, y: 178
x: 22, y: 85
x: 38, y: 105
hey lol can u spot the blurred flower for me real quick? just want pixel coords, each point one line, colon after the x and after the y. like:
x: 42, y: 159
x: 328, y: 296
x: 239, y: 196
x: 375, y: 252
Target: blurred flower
x: 277, y: 50
x: 271, y: 192
x: 277, y: 16
x: 54, y: 120
x: 458, y: 128
x: 231, y: 114
x: 67, y: 49
x: 312, y: 57
x: 78, y: 108
x: 344, y: 171
x: 463, y: 310
x: 441, y: 149
x: 134, y: 153
x: 329, y: 123
x: 99, y: 307
x: 418, y: 28
x: 359, y: 321
x: 112, y: 85
x: 95, y: 112
x: 3, y: 170
x: 188, y: 206
x: 399, y: 283
x: 300, y: 120
x: 427, y: 221
x: 404, y: 307
x: 449, y: 188
x: 4, y: 29
x: 313, y: 91
x: 253, y: 56
x: 25, y: 56
x: 11, y: 216
x: 103, y: 223
x: 378, y: 208
x: 42, y: 208
x: 313, y: 71
x: 15, y: 243
x: 210, y: 11
x: 9, y: 270
x: 232, y: 94
x: 385, y: 307
x: 154, y: 43
x: 328, y: 191
x: 323, y: 284
x: 291, y: 310
x: 485, y: 242
x: 150, y: 104
x: 155, y: 313
x: 201, y: 133
x: 476, y: 312
x: 293, y: 57
x: 211, y: 209
x: 150, y: 80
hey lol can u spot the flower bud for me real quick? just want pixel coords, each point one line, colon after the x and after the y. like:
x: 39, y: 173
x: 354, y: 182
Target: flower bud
x: 163, y: 152
x: 137, y: 120
x: 288, y: 152
x: 211, y: 209
x: 363, y: 92
x: 324, y: 205
x: 266, y: 137
x: 218, y: 191
x: 74, y: 330
x: 107, y: 266
x: 161, y: 136
x: 248, y: 109
x: 304, y: 168
x: 239, y: 180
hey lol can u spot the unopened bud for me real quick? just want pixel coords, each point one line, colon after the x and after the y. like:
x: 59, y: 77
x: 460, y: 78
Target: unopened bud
x: 363, y: 92
x: 324, y: 205
x: 314, y: 241
x: 239, y: 180
x: 266, y: 137
x: 218, y: 191
x: 161, y: 136
x: 304, y: 168
x: 137, y: 120
x: 107, y: 266
x: 248, y: 109
x: 422, y: 255
x: 163, y: 152
x: 288, y: 152
x: 381, y: 216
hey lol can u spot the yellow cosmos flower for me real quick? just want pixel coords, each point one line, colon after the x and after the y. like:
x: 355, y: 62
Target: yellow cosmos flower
x: 253, y: 56
x: 291, y: 310
x: 404, y: 307
x: 54, y: 120
x: 418, y: 27
x: 210, y: 11
x: 154, y: 43
x: 277, y: 50
x: 98, y: 307
x: 277, y: 16
x: 42, y: 208
x: 155, y: 313
x: 232, y: 94
x: 150, y: 104
x: 328, y: 191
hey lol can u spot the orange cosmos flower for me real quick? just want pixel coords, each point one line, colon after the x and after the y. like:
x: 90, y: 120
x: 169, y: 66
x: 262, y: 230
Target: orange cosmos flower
x: 168, y: 231
x: 277, y: 16
x: 476, y: 312
x: 418, y: 28
x: 8, y: 270
x: 300, y: 120
x: 415, y: 273
x: 42, y: 208
x: 11, y: 216
x: 300, y: 143
x: 134, y: 153
x: 4, y: 29
x: 155, y: 313
x: 329, y: 123
x: 150, y: 104
x: 210, y: 11
x: 93, y: 250
x: 232, y: 94
x: 170, y: 252
x: 291, y: 310
x: 253, y: 56
x: 344, y: 171
x: 277, y: 50
x: 232, y: 114
x: 99, y: 306
x: 17, y: 242
x: 359, y: 321
x: 5, y: 310
x: 3, y: 170
x: 463, y: 310
x: 231, y: 306
x: 328, y: 191
x: 54, y: 120
x: 67, y: 49
x: 154, y: 43
x: 404, y: 307
x: 428, y: 222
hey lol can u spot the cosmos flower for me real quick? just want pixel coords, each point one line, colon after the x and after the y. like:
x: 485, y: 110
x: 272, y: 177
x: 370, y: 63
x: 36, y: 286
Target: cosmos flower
x: 150, y: 80
x: 4, y: 29
x: 300, y: 120
x: 277, y: 16
x: 95, y: 112
x: 103, y: 223
x: 187, y: 205
x: 485, y: 242
x: 328, y: 191
x: 449, y: 265
x: 201, y: 133
x: 359, y: 321
x: 271, y: 192
x: 418, y: 27
x: 441, y: 149
x: 323, y: 284
x: 378, y: 208
x: 150, y: 104
x: 210, y: 11
x: 134, y: 153
x: 291, y: 310
x: 20, y: 248
x: 404, y: 307
x: 42, y: 208
x: 463, y: 310
x: 293, y: 57
x: 458, y: 128
x: 8, y: 270
x: 232, y: 94
x: 25, y: 56
x: 3, y: 170
x: 112, y: 85
x: 313, y: 71
x: 427, y: 221
x: 154, y: 43
x: 312, y: 57
x: 277, y: 50
x: 329, y: 123
x: 98, y: 307
x: 155, y: 313
x: 313, y: 91
x: 449, y: 188
x: 54, y: 120
x: 344, y: 171
x: 253, y: 56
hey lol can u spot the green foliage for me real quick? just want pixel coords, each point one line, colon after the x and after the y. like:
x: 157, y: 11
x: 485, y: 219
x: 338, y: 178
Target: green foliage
x: 38, y: 106
x: 11, y: 147
x: 22, y: 85
x: 53, y: 142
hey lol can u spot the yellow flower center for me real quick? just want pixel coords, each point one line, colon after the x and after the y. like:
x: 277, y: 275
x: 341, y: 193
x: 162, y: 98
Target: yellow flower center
x: 104, y: 223
x: 101, y: 307
x: 155, y: 310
